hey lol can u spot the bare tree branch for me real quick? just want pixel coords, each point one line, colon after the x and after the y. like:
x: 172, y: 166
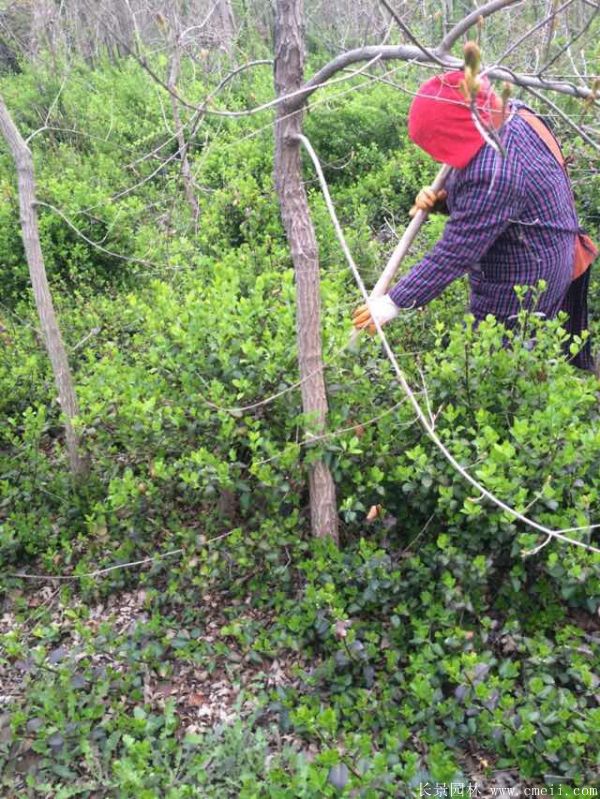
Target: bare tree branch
x: 100, y: 572
x: 182, y: 144
x: 579, y: 130
x: 429, y: 54
x: 518, y: 42
x: 571, y: 41
x: 91, y: 242
x: 415, y: 55
x: 471, y: 19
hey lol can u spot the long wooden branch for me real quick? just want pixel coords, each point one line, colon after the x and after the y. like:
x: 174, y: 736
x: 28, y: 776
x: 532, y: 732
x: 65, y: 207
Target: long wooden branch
x: 405, y: 243
x: 461, y: 27
x: 411, y: 53
x: 400, y: 251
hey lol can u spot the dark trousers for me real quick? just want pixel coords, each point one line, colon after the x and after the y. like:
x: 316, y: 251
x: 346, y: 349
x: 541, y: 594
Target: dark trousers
x: 575, y: 304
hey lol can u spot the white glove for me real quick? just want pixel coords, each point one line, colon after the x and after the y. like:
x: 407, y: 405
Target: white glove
x: 383, y: 309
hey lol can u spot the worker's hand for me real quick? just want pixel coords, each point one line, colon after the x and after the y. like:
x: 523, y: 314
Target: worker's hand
x: 383, y: 309
x: 428, y: 200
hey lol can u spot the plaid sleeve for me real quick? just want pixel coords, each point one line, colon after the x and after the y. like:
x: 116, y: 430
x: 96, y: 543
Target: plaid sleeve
x: 487, y: 196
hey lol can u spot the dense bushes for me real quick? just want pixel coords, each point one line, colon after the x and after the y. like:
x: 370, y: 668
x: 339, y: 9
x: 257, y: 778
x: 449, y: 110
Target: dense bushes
x: 410, y: 638
x: 87, y: 137
x: 431, y: 629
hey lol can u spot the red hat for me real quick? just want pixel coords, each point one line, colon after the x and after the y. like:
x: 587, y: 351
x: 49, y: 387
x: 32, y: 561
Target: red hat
x: 440, y: 119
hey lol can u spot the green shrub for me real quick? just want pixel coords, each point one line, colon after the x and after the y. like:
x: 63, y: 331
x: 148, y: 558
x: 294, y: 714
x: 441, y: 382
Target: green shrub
x: 432, y: 627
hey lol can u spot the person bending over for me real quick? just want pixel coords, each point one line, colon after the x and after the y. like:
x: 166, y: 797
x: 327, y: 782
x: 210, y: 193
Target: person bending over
x: 512, y: 215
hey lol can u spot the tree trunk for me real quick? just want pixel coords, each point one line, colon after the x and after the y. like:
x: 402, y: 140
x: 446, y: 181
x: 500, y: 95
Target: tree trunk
x: 295, y: 213
x: 41, y: 290
x: 39, y: 22
x: 448, y: 8
x: 186, y: 170
x: 227, y: 23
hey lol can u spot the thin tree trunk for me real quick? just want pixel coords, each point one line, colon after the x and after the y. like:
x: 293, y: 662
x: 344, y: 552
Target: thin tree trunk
x: 186, y: 171
x: 41, y: 290
x: 550, y: 31
x: 448, y: 8
x: 38, y: 27
x: 295, y: 212
x: 227, y: 23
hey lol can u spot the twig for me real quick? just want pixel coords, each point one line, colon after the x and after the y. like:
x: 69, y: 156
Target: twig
x: 339, y: 432
x: 98, y: 572
x: 50, y: 110
x: 419, y: 534
x: 566, y: 46
x: 565, y: 118
x: 529, y: 552
x: 116, y: 567
x: 429, y: 54
x: 285, y: 98
x: 93, y: 243
x: 518, y: 42
x: 93, y: 332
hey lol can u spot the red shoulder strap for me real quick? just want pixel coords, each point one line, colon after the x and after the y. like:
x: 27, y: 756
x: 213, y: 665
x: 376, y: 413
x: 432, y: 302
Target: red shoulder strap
x: 585, y: 249
x: 544, y: 133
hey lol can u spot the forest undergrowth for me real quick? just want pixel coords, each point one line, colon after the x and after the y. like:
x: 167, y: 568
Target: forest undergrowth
x: 227, y: 654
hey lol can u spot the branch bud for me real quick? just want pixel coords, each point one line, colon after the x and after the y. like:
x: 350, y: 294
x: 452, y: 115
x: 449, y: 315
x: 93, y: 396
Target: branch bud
x: 472, y: 54
x: 590, y: 101
x: 506, y: 93
x: 161, y: 21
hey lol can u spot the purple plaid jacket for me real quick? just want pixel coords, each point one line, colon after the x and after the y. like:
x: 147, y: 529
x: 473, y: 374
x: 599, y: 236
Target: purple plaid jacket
x: 512, y: 222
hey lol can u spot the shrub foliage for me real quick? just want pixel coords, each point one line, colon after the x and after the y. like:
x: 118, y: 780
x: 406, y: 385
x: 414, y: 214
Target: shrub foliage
x: 432, y: 637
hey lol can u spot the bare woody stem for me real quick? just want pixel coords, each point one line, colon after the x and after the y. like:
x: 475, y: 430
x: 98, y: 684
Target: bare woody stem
x: 415, y: 54
x: 186, y: 170
x: 466, y: 23
x: 41, y: 290
x: 295, y: 214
